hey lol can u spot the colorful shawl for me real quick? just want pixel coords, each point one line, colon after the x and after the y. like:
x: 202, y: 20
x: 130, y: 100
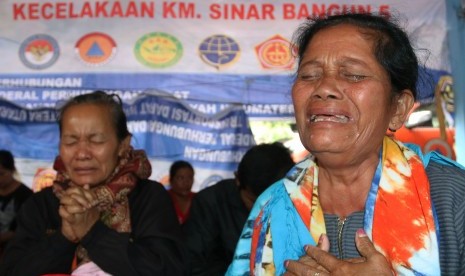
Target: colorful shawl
x: 288, y: 216
x: 112, y: 196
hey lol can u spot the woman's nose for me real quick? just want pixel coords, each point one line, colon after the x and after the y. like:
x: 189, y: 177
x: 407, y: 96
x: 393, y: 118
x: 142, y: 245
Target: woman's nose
x: 83, y: 151
x: 328, y: 88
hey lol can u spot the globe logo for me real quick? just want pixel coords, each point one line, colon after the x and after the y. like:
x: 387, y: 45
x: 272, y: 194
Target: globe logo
x: 219, y: 51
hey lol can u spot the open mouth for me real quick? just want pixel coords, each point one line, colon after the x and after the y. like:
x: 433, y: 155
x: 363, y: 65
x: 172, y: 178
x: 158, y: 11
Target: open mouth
x: 329, y: 118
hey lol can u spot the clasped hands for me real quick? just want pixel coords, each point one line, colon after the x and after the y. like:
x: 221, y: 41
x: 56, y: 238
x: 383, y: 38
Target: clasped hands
x: 318, y: 262
x: 78, y: 212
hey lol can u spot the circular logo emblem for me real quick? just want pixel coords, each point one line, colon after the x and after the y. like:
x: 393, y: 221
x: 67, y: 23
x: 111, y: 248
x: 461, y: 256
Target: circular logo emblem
x: 158, y: 50
x: 275, y: 53
x: 219, y: 51
x: 39, y: 51
x: 95, y: 48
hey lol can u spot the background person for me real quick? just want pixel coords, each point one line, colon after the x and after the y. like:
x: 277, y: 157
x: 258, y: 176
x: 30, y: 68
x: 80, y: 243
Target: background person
x: 181, y: 181
x: 12, y: 195
x: 102, y: 216
x: 219, y: 212
x: 362, y: 195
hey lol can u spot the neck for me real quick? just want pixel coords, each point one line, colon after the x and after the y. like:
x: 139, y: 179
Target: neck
x: 344, y: 190
x: 179, y: 196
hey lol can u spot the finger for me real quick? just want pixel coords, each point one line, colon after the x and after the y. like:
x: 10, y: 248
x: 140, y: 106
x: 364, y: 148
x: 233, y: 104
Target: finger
x: 68, y: 200
x: 72, y: 205
x: 356, y: 260
x: 75, y: 209
x: 298, y: 268
x: 323, y: 258
x: 83, y: 196
x: 64, y: 214
x: 82, y: 200
x: 74, y: 190
x: 308, y: 260
x: 323, y: 243
x: 91, y: 197
x: 363, y: 243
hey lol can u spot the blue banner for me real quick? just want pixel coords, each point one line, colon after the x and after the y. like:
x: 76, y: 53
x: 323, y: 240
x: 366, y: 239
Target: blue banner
x: 167, y: 128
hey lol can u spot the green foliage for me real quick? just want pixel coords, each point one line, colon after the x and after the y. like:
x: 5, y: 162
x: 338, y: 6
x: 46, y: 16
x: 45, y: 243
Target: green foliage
x: 271, y: 131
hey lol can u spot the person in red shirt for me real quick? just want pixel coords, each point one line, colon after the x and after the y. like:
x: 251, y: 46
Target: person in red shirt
x: 181, y: 181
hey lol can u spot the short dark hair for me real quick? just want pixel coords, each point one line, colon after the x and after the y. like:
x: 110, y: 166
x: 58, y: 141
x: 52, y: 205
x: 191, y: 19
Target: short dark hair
x: 112, y: 101
x: 7, y: 160
x: 392, y: 46
x: 177, y: 165
x: 262, y: 165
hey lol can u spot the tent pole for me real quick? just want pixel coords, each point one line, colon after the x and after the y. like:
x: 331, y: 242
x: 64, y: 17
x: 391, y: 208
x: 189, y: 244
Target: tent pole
x: 456, y: 40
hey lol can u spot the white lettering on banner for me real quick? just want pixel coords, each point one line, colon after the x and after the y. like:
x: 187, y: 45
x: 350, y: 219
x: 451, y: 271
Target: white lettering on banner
x: 42, y: 10
x: 39, y: 105
x: 205, y: 155
x: 181, y: 94
x: 137, y: 126
x: 269, y: 108
x: 155, y: 109
x: 182, y: 115
x: 125, y: 95
x: 174, y: 131
x: 43, y: 116
x: 237, y: 139
x: 131, y: 110
x: 19, y: 95
x: 205, y: 108
x: 41, y: 82
x: 13, y: 114
x: 60, y: 95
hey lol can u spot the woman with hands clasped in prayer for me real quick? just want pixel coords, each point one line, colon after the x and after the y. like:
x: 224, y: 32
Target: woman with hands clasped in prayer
x: 363, y: 203
x: 102, y: 216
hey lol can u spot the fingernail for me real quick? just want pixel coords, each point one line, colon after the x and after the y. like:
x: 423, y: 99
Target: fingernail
x: 286, y: 263
x: 320, y: 240
x: 306, y: 247
x: 361, y: 233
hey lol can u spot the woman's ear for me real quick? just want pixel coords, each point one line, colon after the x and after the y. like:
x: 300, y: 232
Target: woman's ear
x: 125, y: 146
x: 402, y: 105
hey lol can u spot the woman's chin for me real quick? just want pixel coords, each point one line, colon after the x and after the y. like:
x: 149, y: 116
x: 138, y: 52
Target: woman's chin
x: 85, y: 181
x: 325, y: 145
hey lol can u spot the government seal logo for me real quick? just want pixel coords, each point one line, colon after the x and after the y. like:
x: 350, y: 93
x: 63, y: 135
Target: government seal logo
x: 158, y: 50
x: 275, y: 53
x: 219, y: 51
x: 95, y: 48
x: 39, y: 51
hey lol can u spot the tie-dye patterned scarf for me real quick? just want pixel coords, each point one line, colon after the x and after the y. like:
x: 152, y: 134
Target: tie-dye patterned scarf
x: 400, y: 186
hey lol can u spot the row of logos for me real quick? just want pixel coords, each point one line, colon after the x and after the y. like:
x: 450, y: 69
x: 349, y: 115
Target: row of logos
x: 156, y: 50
